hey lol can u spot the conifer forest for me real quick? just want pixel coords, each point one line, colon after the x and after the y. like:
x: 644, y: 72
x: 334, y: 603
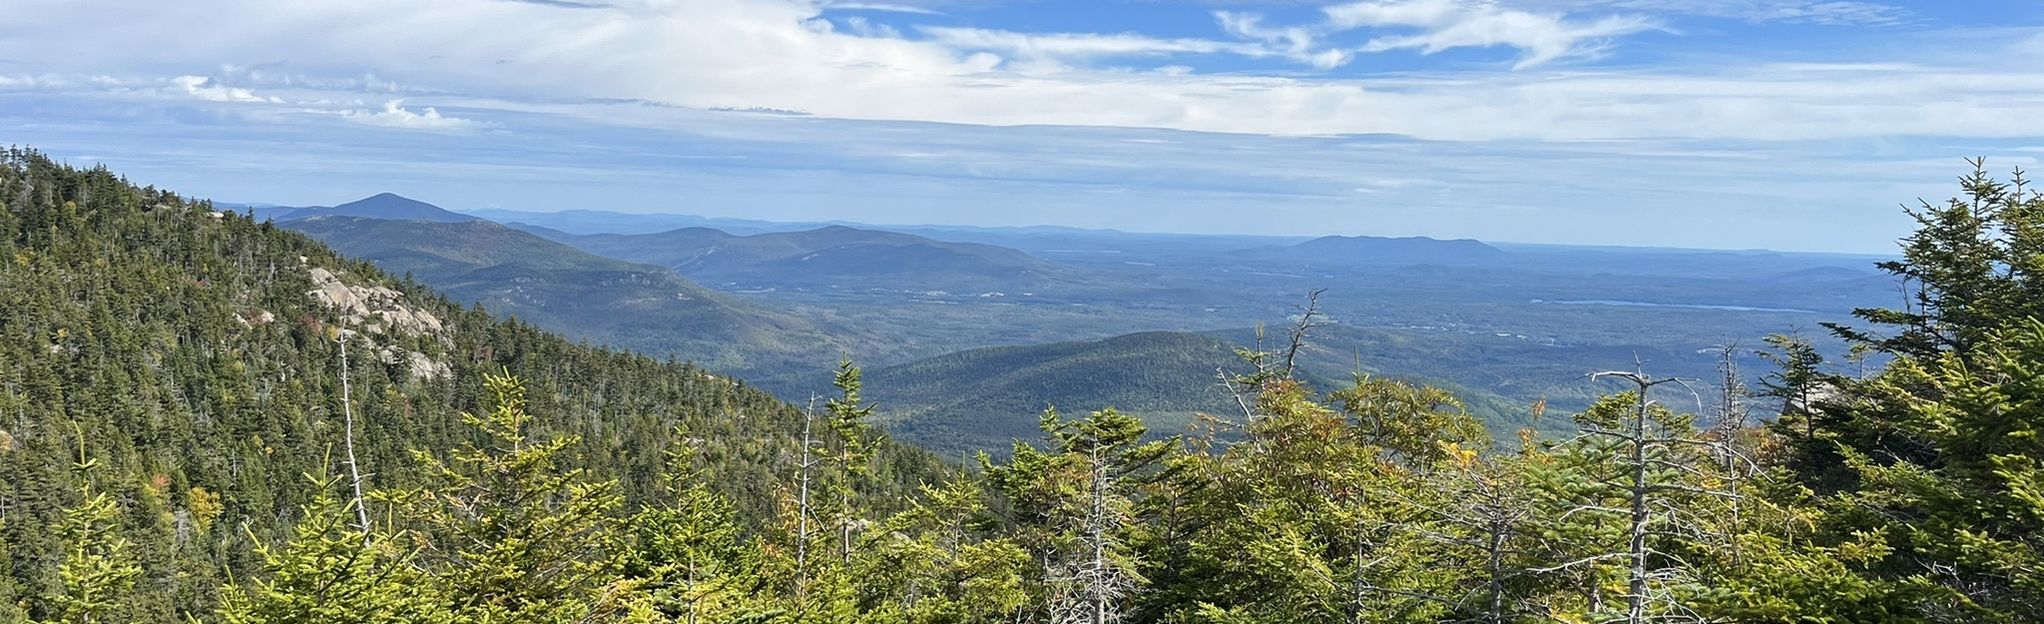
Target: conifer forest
x: 208, y: 418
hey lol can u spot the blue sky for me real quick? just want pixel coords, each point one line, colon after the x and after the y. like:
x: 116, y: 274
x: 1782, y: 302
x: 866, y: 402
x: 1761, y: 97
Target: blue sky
x: 1784, y: 124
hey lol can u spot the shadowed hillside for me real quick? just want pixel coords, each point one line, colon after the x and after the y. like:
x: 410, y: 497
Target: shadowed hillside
x: 827, y: 258
x: 639, y: 306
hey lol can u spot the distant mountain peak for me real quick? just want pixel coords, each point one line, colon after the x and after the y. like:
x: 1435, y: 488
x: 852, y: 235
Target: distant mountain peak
x: 389, y: 206
x: 1401, y: 250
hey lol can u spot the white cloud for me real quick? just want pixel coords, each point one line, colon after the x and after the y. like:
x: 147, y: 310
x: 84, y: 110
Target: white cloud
x: 395, y: 115
x: 868, y: 28
x: 745, y: 54
x: 1446, y: 24
x: 211, y: 90
x: 1828, y: 12
x: 878, y: 6
x: 1298, y: 43
x: 1070, y: 46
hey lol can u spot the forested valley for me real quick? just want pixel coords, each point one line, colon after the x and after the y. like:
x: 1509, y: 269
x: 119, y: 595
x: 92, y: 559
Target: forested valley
x: 204, y: 418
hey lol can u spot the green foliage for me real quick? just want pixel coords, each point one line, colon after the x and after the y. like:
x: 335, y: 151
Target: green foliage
x: 330, y: 572
x: 589, y: 486
x: 1965, y: 522
x: 690, y: 559
x: 99, y: 570
x: 1974, y: 265
x: 184, y: 347
x: 514, y: 536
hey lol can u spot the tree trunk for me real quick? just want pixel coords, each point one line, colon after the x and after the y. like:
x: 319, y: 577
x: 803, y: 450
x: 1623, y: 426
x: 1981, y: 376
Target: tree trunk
x: 348, y: 442
x: 1637, y: 598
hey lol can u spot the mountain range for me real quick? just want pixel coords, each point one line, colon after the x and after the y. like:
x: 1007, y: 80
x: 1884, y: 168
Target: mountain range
x: 965, y: 343
x: 828, y: 257
x: 644, y: 307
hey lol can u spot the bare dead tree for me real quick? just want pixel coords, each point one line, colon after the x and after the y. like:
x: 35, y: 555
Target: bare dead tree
x: 802, y: 508
x: 348, y: 439
x: 1310, y: 318
x: 1648, y: 449
x: 1265, y: 364
x: 1728, y: 436
x: 1086, y: 579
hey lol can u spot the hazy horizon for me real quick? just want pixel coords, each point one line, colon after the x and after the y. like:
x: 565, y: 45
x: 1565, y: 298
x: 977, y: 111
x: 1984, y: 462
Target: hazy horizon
x: 1777, y: 124
x: 1042, y: 226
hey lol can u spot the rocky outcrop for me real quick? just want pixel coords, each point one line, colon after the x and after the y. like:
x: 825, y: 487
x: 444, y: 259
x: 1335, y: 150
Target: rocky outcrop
x: 374, y: 309
x: 380, y: 310
x: 421, y: 366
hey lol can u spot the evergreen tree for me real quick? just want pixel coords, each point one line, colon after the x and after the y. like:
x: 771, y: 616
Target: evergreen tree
x: 328, y: 573
x: 1074, y: 507
x: 99, y: 571
x: 936, y: 563
x: 1967, y: 523
x: 694, y: 564
x: 512, y: 536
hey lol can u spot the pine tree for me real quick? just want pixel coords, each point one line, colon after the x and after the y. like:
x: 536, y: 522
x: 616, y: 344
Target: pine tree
x: 1636, y: 485
x: 936, y: 563
x: 849, y: 414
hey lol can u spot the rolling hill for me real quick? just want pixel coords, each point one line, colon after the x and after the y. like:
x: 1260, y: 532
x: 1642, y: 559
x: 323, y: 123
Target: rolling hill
x: 1384, y: 250
x: 986, y: 398
x: 828, y: 257
x: 637, y: 306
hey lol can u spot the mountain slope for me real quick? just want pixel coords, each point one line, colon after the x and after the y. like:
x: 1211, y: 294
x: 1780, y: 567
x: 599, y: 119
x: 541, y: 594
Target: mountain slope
x: 382, y: 206
x: 986, y: 398
x: 1383, y: 250
x: 828, y: 257
x: 564, y: 289
x: 192, y: 356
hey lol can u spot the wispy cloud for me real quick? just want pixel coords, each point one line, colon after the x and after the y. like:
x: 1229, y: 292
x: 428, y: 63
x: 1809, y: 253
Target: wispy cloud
x: 1300, y: 43
x: 1827, y: 12
x: 916, y: 116
x: 395, y: 115
x: 1069, y: 46
x: 744, y: 54
x: 1427, y: 25
x: 879, y: 6
x: 1447, y: 24
x: 211, y: 90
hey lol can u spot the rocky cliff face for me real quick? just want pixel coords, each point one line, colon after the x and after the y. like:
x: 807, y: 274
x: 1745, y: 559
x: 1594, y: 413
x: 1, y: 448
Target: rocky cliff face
x: 371, y: 311
x: 375, y: 309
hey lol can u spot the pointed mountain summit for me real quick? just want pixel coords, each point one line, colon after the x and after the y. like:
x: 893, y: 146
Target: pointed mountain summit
x: 388, y: 206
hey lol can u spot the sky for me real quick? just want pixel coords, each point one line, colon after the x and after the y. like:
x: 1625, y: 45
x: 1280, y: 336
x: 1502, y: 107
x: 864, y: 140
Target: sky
x: 1733, y: 124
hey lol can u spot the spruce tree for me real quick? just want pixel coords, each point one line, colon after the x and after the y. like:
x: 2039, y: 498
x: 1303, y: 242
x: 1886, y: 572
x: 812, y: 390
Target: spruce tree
x: 329, y: 572
x: 99, y: 571
x: 512, y: 535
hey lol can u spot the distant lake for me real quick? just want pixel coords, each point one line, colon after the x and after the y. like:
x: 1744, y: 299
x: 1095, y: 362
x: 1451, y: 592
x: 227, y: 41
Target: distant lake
x: 1690, y: 306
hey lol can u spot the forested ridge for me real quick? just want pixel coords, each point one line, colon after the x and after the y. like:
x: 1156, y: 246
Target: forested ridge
x: 175, y: 449
x: 180, y: 351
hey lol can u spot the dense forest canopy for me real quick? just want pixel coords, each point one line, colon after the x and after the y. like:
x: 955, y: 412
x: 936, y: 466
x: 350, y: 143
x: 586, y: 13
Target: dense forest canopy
x: 205, y: 419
